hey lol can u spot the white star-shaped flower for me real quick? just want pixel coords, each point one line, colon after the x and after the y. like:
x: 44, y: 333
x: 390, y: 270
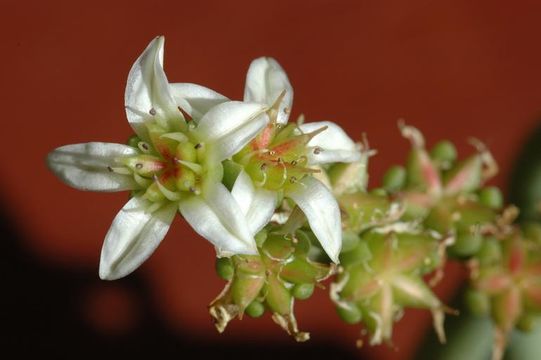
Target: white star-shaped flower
x: 174, y: 163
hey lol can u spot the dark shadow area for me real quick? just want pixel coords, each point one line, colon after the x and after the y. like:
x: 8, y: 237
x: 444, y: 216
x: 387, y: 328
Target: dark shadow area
x: 41, y: 316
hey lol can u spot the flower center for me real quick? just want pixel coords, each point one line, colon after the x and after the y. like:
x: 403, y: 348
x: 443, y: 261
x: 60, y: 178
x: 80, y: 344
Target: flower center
x: 277, y: 157
x: 167, y: 167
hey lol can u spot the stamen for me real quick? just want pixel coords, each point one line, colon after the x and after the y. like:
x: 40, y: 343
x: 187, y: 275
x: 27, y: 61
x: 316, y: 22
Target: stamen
x: 177, y: 136
x: 317, y: 150
x: 185, y: 114
x: 196, y: 168
x: 195, y: 190
x: 141, y: 181
x: 152, y: 111
x: 119, y: 170
x: 263, y: 167
x: 144, y: 147
x: 293, y: 179
x: 294, y: 162
x: 198, y: 146
x: 170, y: 195
x: 138, y: 166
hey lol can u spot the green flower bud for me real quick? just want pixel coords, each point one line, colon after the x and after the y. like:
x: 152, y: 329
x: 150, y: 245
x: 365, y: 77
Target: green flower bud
x: 491, y: 197
x: 394, y: 179
x: 444, y: 152
x: 350, y: 314
x: 303, y: 291
x: 466, y: 244
x: 255, y: 309
x: 477, y: 302
x: 224, y: 268
x: 490, y: 252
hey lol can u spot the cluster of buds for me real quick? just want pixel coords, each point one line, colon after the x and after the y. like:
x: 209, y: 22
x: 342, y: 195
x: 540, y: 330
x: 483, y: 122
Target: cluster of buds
x: 286, y: 207
x: 284, y: 271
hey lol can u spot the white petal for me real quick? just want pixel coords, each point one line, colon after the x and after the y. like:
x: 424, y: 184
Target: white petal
x: 255, y: 203
x: 197, y: 99
x: 147, y: 88
x: 229, y: 126
x: 265, y: 81
x: 133, y: 237
x: 335, y: 144
x: 322, y: 212
x: 86, y: 166
x: 217, y: 217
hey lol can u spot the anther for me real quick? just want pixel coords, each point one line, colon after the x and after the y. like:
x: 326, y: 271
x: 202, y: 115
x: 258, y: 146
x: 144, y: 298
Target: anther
x: 198, y: 146
x: 143, y: 146
x: 294, y: 162
x: 139, y: 166
x: 293, y: 179
x: 272, y: 153
x: 110, y: 168
x: 263, y: 167
x: 317, y: 150
x: 152, y: 111
x: 286, y: 110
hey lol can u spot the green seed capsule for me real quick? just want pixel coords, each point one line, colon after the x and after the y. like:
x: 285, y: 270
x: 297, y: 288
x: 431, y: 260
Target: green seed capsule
x: 224, y: 268
x: 394, y: 179
x: 255, y: 309
x: 491, y: 197
x: 443, y: 152
x: 187, y: 180
x: 186, y: 151
x: 478, y: 302
x: 303, y: 291
x: 350, y: 315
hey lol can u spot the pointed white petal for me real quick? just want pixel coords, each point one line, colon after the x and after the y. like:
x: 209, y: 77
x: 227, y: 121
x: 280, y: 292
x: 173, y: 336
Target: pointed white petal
x: 255, y: 203
x: 147, y: 90
x: 217, y: 217
x: 229, y: 126
x: 133, y: 237
x: 86, y: 166
x: 322, y: 212
x: 265, y: 81
x: 335, y: 144
x: 195, y: 99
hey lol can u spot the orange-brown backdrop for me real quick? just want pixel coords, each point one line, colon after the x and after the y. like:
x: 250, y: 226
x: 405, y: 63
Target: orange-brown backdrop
x: 452, y: 68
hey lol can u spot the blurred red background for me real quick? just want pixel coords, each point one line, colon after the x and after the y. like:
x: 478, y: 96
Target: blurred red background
x: 454, y: 69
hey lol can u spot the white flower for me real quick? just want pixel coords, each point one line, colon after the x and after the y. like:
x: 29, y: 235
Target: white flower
x: 282, y: 159
x: 183, y: 133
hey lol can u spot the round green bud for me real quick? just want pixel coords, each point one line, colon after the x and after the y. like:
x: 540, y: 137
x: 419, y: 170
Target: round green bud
x: 224, y: 268
x: 303, y: 291
x: 394, y: 179
x: 490, y: 252
x: 133, y: 141
x: 443, y: 152
x: 477, y: 302
x: 350, y: 314
x: 491, y: 197
x: 255, y: 309
x: 466, y: 244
